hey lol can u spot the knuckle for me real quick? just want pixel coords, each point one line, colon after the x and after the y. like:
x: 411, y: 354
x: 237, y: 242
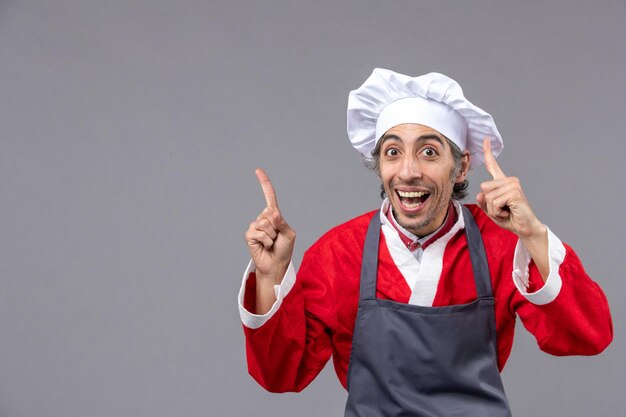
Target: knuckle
x: 251, y: 240
x: 276, y: 217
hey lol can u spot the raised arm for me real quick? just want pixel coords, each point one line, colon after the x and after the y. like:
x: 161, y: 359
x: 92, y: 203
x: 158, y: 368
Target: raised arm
x: 503, y: 199
x: 270, y: 243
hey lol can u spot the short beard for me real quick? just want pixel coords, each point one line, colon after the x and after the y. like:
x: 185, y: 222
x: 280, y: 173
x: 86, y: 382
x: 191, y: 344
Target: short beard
x: 414, y: 228
x: 432, y: 214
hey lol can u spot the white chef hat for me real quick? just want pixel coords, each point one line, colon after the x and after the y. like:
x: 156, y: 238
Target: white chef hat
x: 387, y: 99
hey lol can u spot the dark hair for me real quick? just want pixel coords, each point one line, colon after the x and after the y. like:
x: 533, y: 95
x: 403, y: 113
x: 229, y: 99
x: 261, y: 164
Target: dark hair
x: 459, y: 190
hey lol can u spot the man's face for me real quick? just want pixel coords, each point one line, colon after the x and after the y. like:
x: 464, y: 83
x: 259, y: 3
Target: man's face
x: 416, y: 170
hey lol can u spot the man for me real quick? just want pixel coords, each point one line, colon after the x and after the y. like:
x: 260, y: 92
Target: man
x: 420, y: 318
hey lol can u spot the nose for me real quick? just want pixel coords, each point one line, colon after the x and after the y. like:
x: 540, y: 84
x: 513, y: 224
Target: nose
x: 410, y: 168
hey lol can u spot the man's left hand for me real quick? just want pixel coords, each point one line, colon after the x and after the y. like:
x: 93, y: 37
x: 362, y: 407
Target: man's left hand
x: 503, y: 199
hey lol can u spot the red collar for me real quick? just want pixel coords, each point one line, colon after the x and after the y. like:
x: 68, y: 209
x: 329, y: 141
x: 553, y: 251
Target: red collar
x: 413, y: 244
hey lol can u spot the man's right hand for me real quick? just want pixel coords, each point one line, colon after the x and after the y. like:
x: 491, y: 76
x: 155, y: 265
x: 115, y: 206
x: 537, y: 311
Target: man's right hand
x: 270, y: 240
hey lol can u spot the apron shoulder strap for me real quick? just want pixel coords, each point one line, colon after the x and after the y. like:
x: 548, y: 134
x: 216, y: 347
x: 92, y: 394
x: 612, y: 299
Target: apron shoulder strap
x: 369, y: 263
x: 480, y: 266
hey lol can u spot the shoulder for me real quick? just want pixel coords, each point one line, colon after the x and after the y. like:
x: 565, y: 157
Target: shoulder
x: 499, y: 246
x: 338, y: 253
x: 493, y: 235
x: 346, y: 235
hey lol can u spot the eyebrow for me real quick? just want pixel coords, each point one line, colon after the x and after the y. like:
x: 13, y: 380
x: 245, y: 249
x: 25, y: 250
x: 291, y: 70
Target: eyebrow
x: 421, y: 138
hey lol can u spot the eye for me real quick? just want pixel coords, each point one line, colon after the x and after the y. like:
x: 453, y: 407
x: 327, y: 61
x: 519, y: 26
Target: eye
x: 429, y: 152
x: 392, y: 152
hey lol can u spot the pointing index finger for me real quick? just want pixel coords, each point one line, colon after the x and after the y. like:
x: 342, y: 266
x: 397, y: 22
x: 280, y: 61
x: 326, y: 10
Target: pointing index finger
x: 268, y: 189
x: 490, y: 161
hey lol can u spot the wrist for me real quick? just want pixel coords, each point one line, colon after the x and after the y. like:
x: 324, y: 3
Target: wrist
x: 535, y: 231
x: 536, y: 243
x: 271, y: 277
x: 270, y: 284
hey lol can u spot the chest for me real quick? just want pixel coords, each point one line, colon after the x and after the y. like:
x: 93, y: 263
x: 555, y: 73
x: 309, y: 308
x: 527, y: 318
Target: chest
x: 451, y: 284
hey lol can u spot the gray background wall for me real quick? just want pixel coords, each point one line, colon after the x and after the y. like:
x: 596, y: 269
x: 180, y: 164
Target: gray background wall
x: 129, y: 132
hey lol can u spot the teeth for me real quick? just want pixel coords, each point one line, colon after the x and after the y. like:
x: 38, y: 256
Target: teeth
x: 411, y: 194
x: 411, y: 206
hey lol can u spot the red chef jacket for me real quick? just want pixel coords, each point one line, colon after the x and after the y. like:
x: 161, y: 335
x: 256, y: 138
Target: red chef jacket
x: 313, y: 317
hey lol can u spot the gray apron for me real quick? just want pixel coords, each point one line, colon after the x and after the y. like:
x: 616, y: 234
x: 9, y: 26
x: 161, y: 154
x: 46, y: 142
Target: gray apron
x: 409, y: 360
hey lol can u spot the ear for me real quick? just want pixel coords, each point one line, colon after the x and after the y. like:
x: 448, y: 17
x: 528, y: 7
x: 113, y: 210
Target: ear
x: 465, y: 164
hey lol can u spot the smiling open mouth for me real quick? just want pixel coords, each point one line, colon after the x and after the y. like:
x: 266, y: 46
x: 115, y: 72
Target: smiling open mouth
x: 412, y: 199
